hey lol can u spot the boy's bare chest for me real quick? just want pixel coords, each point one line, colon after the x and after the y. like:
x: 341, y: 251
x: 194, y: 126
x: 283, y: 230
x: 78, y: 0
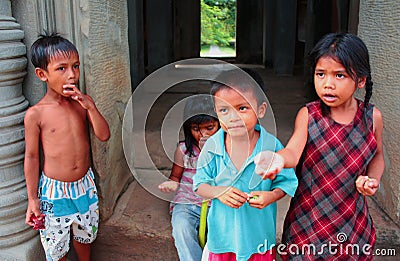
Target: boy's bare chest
x: 239, y: 151
x: 63, y: 122
x: 239, y: 155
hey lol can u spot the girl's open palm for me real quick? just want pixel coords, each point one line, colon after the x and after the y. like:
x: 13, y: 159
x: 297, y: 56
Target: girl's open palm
x: 268, y: 164
x: 168, y: 186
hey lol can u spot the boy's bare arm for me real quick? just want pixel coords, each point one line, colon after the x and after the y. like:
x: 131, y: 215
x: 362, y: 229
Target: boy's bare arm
x: 31, y: 164
x: 99, y: 124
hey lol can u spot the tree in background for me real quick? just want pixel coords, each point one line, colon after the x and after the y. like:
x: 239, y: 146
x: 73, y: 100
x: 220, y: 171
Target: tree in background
x: 218, y: 19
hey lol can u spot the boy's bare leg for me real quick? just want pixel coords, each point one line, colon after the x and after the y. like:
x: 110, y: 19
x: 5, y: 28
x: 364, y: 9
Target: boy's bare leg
x: 82, y: 250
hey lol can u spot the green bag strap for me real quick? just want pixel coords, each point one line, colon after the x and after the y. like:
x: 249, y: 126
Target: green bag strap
x: 203, y: 223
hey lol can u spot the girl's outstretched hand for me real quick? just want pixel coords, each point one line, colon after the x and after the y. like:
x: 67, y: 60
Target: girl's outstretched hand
x: 268, y: 164
x: 168, y: 186
x: 367, y: 186
x: 232, y: 197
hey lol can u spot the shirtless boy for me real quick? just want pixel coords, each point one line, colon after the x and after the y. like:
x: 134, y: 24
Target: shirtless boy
x: 65, y: 194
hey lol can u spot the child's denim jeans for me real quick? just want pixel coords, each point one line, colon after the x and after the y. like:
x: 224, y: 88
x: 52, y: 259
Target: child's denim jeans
x: 185, y: 224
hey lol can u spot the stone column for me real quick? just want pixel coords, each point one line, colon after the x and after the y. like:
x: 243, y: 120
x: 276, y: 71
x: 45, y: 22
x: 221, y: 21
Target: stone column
x: 159, y: 33
x: 17, y: 240
x: 285, y: 37
x: 249, y: 31
x: 186, y: 29
x: 135, y: 41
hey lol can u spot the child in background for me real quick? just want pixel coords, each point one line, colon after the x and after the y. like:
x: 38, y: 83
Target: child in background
x: 340, y: 138
x: 242, y: 217
x: 65, y: 195
x: 199, y: 124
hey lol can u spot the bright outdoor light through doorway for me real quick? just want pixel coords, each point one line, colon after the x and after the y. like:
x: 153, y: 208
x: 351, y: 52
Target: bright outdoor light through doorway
x: 218, y: 28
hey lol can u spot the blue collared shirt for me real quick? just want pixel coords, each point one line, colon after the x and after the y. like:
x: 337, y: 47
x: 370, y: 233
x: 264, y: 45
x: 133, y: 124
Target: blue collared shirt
x: 246, y: 230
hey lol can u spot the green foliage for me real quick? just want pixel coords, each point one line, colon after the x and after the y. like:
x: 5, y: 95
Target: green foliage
x: 217, y: 22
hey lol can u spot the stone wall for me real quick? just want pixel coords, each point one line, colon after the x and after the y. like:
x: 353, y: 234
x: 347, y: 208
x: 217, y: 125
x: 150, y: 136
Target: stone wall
x: 379, y: 28
x: 107, y: 78
x: 33, y: 88
x: 99, y: 30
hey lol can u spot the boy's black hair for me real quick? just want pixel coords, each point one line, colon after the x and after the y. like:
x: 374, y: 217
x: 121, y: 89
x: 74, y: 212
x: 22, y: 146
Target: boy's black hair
x: 198, y: 109
x: 351, y: 52
x: 239, y: 81
x: 48, y: 46
x: 256, y: 77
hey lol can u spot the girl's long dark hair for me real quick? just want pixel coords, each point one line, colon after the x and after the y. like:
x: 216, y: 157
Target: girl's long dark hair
x: 351, y: 52
x: 198, y: 109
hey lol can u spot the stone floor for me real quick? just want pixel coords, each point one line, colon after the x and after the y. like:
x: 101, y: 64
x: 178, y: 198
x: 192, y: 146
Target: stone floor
x: 140, y: 226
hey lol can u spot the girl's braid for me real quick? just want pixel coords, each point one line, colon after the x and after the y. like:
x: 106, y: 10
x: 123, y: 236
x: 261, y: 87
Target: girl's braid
x: 368, y: 94
x: 368, y: 91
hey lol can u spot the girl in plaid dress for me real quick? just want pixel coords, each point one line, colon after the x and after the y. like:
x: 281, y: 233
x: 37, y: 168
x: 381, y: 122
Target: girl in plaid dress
x: 338, y: 141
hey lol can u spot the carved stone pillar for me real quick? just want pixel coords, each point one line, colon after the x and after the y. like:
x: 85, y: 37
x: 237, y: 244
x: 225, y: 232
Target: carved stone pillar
x: 17, y: 240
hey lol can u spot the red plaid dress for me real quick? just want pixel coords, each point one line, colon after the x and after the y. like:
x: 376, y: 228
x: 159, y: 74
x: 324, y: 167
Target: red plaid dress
x: 328, y: 219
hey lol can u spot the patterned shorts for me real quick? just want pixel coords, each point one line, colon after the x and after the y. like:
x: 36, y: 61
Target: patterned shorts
x: 68, y: 206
